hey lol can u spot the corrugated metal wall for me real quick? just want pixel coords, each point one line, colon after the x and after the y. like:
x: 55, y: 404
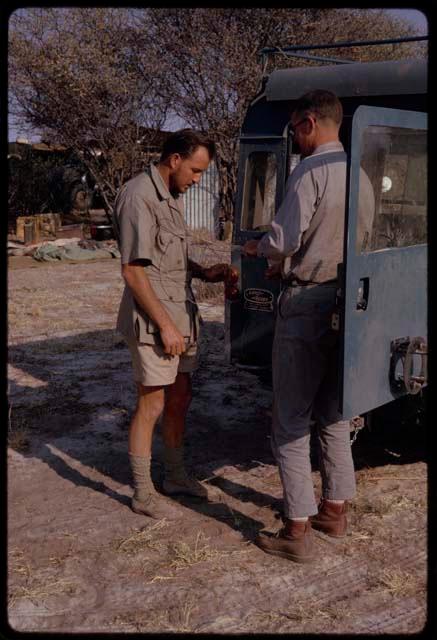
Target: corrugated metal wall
x: 201, y: 202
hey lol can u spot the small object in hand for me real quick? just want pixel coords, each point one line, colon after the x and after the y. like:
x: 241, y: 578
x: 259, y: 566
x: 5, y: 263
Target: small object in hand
x: 231, y: 276
x: 231, y: 289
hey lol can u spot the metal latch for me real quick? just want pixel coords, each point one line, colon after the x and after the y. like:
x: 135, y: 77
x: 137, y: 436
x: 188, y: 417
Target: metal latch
x: 363, y: 294
x: 335, y: 317
x: 403, y: 349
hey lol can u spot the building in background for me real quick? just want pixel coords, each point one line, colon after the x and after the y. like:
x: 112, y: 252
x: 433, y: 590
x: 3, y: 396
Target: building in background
x: 201, y: 202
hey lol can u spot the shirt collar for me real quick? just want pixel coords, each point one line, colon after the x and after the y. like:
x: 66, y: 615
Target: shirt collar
x: 164, y: 193
x: 328, y: 146
x: 159, y: 183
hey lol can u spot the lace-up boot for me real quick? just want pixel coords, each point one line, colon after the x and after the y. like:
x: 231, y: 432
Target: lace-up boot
x: 331, y: 518
x: 294, y: 541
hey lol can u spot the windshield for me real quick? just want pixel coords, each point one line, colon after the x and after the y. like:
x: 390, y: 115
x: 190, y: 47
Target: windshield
x: 259, y: 191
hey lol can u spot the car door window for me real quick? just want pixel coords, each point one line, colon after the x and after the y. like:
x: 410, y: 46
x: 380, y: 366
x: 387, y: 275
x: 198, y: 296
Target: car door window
x: 395, y: 161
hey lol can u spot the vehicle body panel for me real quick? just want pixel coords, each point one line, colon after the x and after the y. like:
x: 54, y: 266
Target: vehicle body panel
x: 249, y: 331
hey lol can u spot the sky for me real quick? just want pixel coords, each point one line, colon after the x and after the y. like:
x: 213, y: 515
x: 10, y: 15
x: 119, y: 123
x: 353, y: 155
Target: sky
x: 415, y: 17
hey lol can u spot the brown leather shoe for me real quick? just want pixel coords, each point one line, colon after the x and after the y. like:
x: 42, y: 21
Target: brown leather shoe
x: 294, y: 542
x: 331, y: 518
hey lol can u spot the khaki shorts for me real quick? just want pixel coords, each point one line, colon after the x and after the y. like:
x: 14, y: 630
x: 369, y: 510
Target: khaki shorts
x: 154, y: 368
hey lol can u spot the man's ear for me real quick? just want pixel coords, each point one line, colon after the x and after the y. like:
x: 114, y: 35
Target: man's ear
x: 175, y: 160
x: 310, y: 123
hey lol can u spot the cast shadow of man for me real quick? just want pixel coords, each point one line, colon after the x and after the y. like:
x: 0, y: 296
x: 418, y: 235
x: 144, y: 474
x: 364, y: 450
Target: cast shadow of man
x: 75, y: 396
x: 79, y: 411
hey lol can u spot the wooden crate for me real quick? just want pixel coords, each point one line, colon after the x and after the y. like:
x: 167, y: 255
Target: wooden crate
x: 45, y: 225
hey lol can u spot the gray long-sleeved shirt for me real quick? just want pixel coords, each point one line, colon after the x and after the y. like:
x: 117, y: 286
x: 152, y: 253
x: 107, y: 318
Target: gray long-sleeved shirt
x: 308, y: 229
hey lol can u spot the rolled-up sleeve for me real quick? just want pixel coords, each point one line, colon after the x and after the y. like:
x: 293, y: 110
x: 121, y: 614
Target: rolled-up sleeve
x: 292, y: 218
x: 136, y: 228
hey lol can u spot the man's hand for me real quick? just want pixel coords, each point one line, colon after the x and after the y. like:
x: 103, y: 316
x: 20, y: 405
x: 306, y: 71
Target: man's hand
x: 138, y: 282
x: 173, y: 340
x: 218, y: 273
x: 249, y: 249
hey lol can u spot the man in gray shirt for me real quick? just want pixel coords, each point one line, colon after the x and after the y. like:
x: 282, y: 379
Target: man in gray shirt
x: 306, y: 243
x: 158, y: 315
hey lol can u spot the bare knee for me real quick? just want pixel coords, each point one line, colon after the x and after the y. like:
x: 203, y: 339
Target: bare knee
x: 150, y: 401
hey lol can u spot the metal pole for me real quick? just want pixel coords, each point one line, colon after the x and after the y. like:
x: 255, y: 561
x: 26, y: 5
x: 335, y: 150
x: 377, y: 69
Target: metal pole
x: 337, y: 45
x: 306, y: 56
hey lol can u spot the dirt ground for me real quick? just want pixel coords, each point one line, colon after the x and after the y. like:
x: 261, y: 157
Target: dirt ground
x: 79, y: 560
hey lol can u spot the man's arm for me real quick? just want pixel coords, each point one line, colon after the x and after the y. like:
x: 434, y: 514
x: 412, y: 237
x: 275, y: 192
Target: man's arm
x: 138, y: 282
x: 216, y: 273
x: 291, y: 220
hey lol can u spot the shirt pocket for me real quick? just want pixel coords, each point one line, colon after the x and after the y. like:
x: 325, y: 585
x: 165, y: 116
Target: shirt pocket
x: 172, y: 249
x: 143, y: 322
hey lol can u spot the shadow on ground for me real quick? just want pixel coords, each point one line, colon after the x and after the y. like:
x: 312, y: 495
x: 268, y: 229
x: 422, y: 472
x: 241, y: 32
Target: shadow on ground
x: 71, y: 399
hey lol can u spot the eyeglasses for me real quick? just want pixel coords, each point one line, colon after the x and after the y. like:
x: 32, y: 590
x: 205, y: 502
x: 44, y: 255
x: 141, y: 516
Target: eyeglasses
x: 293, y: 127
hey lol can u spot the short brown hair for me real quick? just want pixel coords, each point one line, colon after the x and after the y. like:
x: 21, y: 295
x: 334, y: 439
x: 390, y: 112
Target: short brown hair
x: 185, y: 142
x: 323, y: 104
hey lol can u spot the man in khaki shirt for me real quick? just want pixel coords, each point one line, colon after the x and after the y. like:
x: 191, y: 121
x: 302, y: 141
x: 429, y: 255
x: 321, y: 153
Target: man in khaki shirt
x: 158, y: 315
x: 306, y: 240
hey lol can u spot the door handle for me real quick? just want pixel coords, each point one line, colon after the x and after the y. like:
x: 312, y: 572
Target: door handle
x: 363, y: 294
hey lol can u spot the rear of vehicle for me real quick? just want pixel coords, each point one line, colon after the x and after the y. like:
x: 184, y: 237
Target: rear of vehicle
x: 382, y: 314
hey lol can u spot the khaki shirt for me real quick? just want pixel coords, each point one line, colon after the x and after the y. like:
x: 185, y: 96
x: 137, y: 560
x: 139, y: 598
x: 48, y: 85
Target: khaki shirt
x: 308, y: 229
x: 149, y: 225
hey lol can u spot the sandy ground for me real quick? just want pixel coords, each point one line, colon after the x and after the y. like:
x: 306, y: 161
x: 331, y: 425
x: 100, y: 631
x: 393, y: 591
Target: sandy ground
x: 79, y: 560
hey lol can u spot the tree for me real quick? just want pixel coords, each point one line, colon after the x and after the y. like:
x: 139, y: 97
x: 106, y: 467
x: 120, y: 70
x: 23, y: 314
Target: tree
x: 212, y: 66
x: 97, y: 76
x: 73, y: 77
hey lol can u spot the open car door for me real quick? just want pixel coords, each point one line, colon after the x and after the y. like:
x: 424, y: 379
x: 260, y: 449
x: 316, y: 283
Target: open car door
x: 385, y: 279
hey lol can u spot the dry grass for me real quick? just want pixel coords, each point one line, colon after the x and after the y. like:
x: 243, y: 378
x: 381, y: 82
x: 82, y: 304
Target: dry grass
x: 307, y: 610
x: 179, y: 620
x: 399, y: 583
x: 300, y: 612
x: 380, y: 506
x: 17, y: 564
x: 176, y: 619
x: 37, y: 592
x: 185, y: 555
x: 142, y: 539
x: 33, y: 590
x: 338, y: 611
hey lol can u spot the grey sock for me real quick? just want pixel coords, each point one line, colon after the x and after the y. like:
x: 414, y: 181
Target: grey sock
x: 143, y: 484
x: 174, y: 463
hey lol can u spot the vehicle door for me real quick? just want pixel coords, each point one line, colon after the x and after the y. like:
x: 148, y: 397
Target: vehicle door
x: 250, y: 319
x: 384, y: 330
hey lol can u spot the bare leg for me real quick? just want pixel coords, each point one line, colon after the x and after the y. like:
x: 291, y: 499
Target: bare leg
x: 177, y: 401
x: 150, y: 403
